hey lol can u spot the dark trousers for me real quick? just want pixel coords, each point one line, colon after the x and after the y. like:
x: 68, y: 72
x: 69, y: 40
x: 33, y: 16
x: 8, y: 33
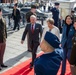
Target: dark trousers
x: 34, y: 47
x: 2, y: 50
x: 16, y: 24
x: 67, y: 53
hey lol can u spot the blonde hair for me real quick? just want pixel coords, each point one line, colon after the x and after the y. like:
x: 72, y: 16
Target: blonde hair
x: 50, y: 20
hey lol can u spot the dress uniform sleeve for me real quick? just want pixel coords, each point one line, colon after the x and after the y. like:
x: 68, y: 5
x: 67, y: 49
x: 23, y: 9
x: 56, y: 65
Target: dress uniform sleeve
x: 24, y: 33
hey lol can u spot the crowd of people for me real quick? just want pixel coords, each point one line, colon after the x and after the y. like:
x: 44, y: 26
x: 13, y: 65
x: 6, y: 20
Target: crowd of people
x: 55, y: 50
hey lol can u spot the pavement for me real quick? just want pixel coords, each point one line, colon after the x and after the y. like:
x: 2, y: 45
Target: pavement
x: 15, y: 52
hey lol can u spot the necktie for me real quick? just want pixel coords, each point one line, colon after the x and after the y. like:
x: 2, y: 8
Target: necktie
x: 32, y: 29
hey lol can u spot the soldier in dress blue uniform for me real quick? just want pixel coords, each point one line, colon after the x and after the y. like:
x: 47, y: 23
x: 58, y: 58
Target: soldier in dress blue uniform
x: 49, y: 62
x: 55, y: 13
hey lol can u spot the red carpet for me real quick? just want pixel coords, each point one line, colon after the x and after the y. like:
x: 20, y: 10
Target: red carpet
x: 23, y: 69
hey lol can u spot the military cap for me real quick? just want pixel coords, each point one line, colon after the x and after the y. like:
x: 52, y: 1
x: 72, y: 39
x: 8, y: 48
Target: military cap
x: 52, y: 39
x: 56, y: 3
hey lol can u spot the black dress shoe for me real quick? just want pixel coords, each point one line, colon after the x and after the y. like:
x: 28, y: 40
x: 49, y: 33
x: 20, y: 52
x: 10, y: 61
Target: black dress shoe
x: 29, y: 50
x: 31, y: 66
x: 4, y: 66
x: 18, y: 29
x: 31, y: 63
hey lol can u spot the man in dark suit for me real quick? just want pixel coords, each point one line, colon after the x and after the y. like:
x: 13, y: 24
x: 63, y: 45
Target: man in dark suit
x: 49, y: 62
x: 28, y: 14
x: 55, y: 13
x: 33, y: 29
x: 16, y: 17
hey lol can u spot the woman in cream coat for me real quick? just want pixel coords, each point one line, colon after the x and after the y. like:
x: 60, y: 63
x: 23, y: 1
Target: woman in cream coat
x: 53, y: 29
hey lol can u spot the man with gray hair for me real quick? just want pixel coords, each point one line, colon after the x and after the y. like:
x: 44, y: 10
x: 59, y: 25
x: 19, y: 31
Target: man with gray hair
x: 33, y: 29
x: 27, y: 16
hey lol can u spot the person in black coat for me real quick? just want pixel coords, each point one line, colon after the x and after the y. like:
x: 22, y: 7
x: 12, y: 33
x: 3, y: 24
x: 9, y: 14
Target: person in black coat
x: 72, y: 60
x: 55, y: 14
x: 31, y: 12
x: 16, y: 17
x: 33, y: 30
x: 49, y: 62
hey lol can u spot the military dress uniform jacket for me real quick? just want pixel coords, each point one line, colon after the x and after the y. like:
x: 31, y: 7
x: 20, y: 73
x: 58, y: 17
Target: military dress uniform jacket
x: 55, y: 13
x: 48, y: 64
x: 3, y: 32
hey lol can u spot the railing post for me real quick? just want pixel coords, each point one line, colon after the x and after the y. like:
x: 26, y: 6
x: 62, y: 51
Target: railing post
x: 9, y: 19
x: 42, y: 21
